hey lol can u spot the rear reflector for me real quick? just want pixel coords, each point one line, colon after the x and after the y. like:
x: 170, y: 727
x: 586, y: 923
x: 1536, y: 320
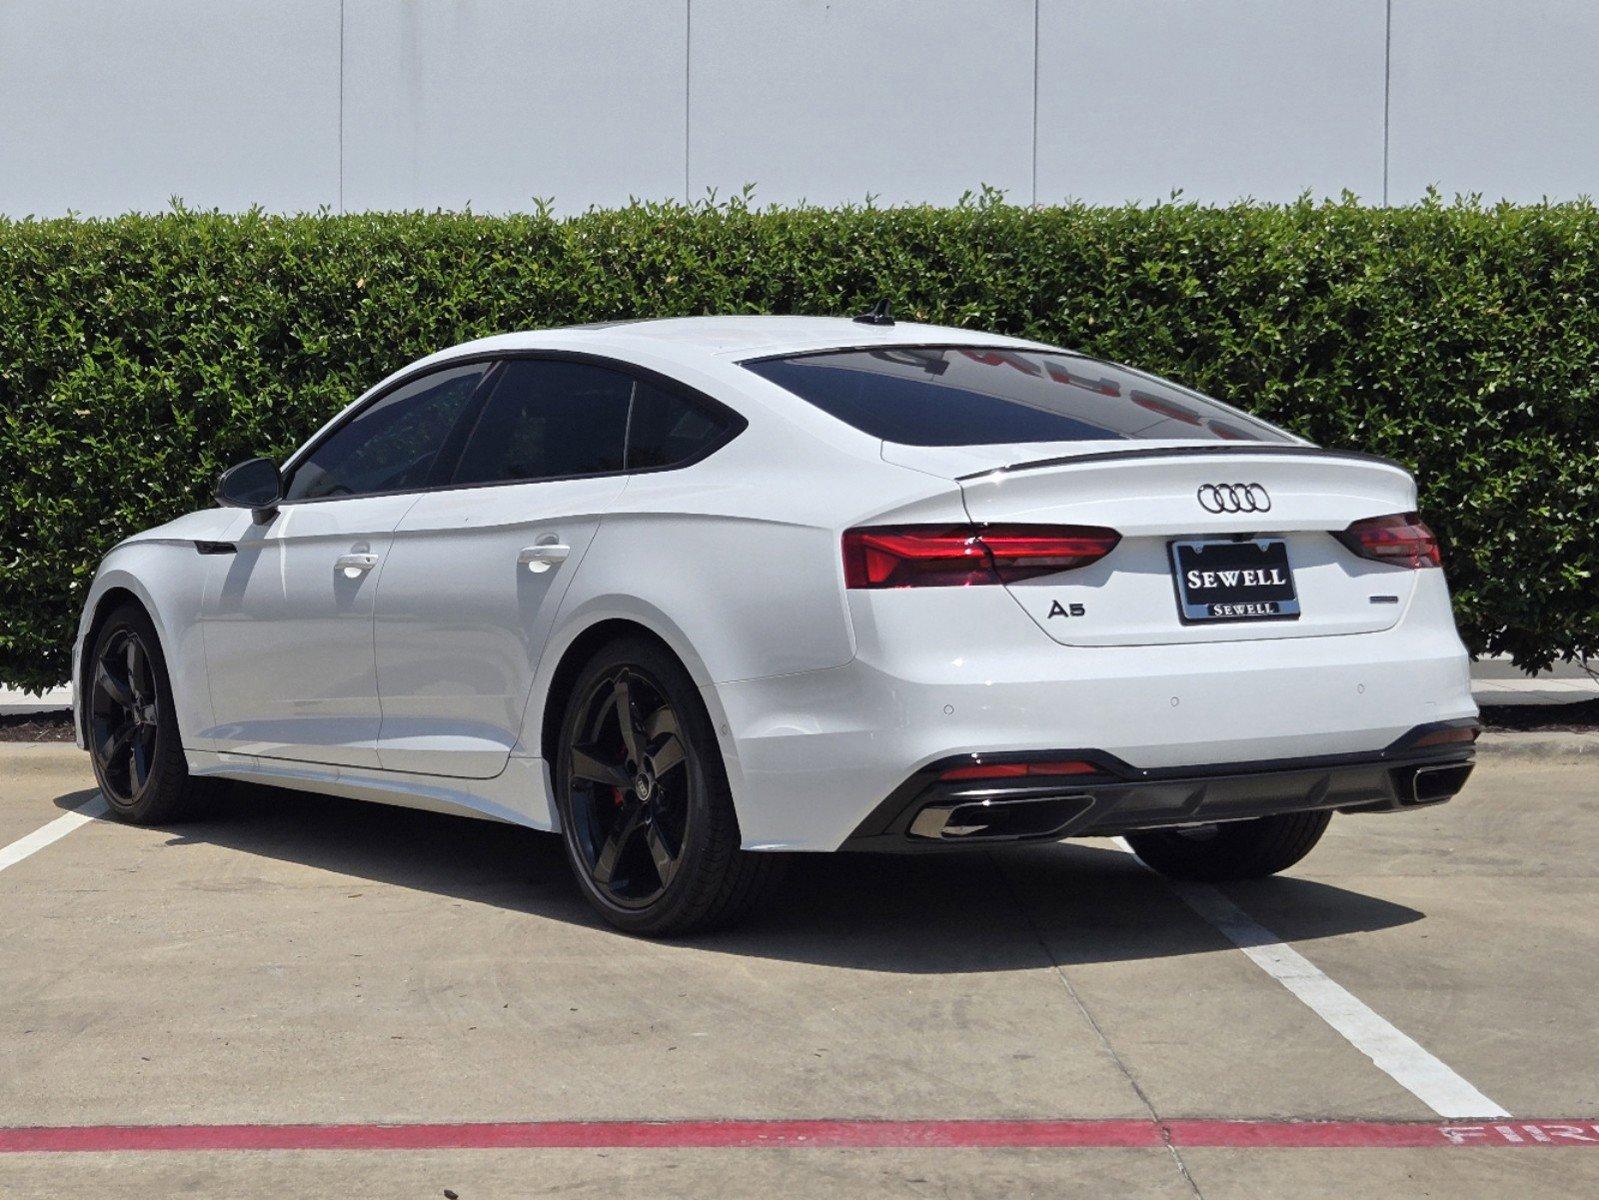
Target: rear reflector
x: 1402, y: 539
x: 895, y: 556
x: 1016, y: 770
x: 1458, y: 735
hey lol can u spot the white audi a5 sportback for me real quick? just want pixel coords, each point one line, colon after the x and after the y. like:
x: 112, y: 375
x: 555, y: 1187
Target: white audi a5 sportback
x: 695, y: 590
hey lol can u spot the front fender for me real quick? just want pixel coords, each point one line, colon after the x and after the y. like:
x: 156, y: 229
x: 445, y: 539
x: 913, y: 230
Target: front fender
x: 111, y: 577
x: 166, y: 577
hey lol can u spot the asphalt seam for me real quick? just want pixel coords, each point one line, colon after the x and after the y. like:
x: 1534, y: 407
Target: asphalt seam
x: 1104, y: 1041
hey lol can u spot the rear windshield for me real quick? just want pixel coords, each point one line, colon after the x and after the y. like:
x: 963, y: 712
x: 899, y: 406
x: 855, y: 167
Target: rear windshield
x: 973, y: 396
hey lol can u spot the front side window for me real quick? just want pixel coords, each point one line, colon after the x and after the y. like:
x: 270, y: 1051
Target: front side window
x: 974, y: 396
x: 391, y: 445
x: 548, y: 419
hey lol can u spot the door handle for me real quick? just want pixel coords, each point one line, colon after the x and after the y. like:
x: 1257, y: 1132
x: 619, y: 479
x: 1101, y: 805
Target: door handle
x: 543, y: 556
x: 355, y: 564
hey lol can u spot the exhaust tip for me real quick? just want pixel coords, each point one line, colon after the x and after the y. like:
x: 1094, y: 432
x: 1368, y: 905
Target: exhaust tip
x: 995, y: 820
x: 1429, y: 785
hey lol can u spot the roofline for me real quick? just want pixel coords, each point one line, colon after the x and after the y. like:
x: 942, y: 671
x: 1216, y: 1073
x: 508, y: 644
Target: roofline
x: 828, y: 333
x: 922, y: 344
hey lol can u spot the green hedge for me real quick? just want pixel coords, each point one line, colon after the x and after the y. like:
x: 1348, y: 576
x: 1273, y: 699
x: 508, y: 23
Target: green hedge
x: 138, y: 356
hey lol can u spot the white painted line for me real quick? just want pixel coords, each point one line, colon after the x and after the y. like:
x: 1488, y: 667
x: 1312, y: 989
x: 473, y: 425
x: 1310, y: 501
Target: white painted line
x: 1401, y: 1057
x: 18, y: 850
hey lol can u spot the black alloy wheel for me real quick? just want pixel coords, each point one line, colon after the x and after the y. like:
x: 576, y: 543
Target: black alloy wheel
x: 124, y: 716
x: 630, y: 778
x: 1231, y: 850
x: 645, y: 808
x: 131, y: 725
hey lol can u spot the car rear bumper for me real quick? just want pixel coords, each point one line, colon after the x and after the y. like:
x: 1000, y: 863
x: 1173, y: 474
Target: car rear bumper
x: 930, y: 813
x: 811, y: 755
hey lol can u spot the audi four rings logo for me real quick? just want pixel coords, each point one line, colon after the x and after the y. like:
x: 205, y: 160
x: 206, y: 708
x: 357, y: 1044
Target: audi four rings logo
x: 1234, y: 498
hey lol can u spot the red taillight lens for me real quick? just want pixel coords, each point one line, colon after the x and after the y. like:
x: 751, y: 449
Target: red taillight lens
x: 915, y: 556
x: 1402, y: 539
x: 1015, y: 770
x: 1022, y: 551
x: 893, y: 556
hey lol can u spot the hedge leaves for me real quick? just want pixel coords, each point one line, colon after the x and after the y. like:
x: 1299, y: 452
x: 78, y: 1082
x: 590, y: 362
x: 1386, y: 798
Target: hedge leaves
x: 141, y: 355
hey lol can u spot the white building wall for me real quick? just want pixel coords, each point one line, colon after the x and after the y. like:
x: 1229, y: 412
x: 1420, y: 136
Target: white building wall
x: 112, y: 105
x: 1497, y: 98
x: 1222, y: 99
x: 495, y: 102
x: 834, y: 100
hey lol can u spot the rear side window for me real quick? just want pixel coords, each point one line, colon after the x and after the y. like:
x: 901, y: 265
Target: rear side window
x: 548, y: 420
x: 665, y: 430
x: 973, y: 396
x: 391, y: 445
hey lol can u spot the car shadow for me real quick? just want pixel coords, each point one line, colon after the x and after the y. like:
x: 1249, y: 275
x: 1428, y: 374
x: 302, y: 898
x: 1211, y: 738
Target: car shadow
x: 1000, y: 909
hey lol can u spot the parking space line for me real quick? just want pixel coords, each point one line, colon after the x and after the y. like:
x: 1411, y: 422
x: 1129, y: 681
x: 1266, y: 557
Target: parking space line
x: 1395, y: 1053
x: 89, y: 810
x: 1102, y: 1133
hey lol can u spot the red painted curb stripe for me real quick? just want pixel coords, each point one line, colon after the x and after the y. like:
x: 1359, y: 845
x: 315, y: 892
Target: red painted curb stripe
x: 819, y: 1133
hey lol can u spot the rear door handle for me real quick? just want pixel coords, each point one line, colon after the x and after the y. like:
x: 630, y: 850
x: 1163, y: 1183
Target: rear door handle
x: 543, y: 556
x: 355, y: 564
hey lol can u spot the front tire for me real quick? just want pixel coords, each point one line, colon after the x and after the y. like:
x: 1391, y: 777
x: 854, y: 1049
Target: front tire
x: 132, y: 725
x: 646, y: 812
x: 1232, y: 849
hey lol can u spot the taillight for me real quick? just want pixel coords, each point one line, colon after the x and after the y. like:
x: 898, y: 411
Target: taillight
x: 1402, y: 539
x: 1022, y: 551
x: 894, y: 556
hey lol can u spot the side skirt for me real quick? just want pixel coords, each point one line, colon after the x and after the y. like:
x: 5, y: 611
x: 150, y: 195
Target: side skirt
x: 515, y: 796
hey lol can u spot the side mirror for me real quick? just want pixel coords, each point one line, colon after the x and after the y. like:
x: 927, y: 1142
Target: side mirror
x: 255, y: 484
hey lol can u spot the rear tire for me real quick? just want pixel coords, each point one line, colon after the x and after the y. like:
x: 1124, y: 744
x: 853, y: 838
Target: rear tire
x: 647, y: 816
x: 132, y: 725
x: 1231, y: 849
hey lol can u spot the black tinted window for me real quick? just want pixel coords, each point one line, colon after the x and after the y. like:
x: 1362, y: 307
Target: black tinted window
x: 391, y: 445
x: 666, y: 429
x: 545, y: 420
x: 981, y: 396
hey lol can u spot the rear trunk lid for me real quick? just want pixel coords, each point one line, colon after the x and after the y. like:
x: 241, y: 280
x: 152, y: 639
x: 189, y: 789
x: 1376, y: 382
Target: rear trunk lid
x: 1183, y: 508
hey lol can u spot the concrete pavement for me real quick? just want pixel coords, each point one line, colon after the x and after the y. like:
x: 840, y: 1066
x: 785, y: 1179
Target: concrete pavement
x: 305, y: 959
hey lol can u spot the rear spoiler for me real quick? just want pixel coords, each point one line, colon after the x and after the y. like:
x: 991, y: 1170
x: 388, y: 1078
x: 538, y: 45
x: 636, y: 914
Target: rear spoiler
x: 1189, y: 452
